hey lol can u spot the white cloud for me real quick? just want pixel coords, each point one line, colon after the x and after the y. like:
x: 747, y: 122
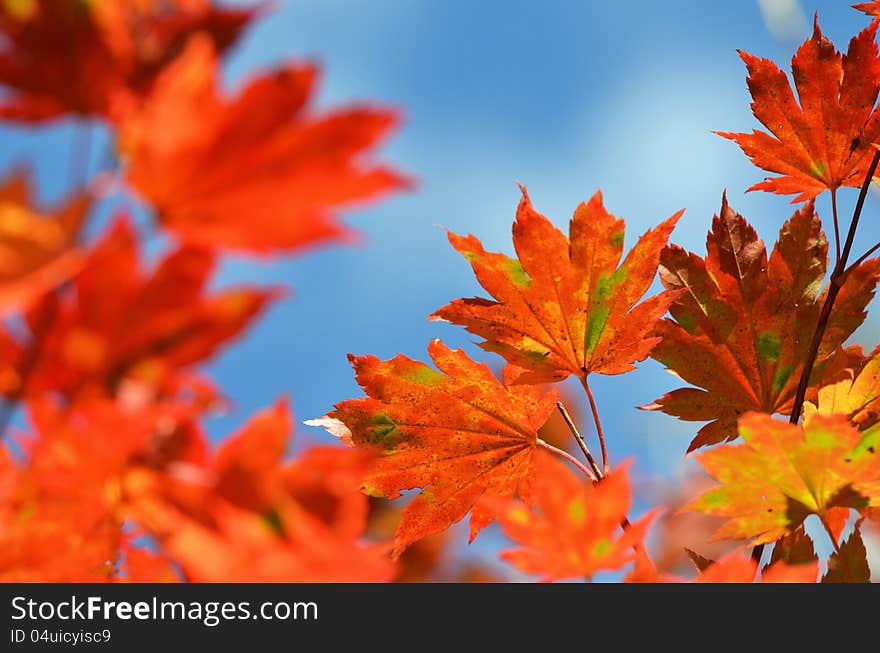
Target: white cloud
x: 785, y: 19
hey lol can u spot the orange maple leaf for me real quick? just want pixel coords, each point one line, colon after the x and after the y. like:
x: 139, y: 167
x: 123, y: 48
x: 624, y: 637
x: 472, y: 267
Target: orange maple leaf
x: 117, y: 323
x: 782, y: 473
x: 743, y: 324
x: 80, y: 57
x: 823, y: 142
x: 564, y: 306
x: 856, y: 395
x: 458, y: 434
x: 259, y: 172
x: 37, y: 252
x: 571, y: 526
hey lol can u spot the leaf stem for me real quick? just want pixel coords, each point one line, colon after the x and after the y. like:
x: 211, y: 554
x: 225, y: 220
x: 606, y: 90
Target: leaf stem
x: 836, y: 281
x: 595, y: 410
x: 567, y: 456
x: 580, y: 440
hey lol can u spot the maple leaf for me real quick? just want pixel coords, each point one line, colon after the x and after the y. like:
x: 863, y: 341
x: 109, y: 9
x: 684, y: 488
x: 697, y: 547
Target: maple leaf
x: 82, y: 57
x: 857, y: 397
x: 243, y: 546
x: 118, y: 323
x: 738, y: 567
x: 244, y: 514
x: 571, y: 527
x: 458, y: 434
x: 849, y: 564
x: 742, y: 323
x: 871, y: 8
x: 37, y: 252
x: 782, y: 473
x: 565, y: 306
x: 824, y: 141
x: 795, y: 548
x: 58, y: 504
x: 205, y: 162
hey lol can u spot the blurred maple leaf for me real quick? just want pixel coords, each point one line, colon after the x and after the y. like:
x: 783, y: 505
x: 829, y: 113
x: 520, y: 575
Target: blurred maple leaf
x: 738, y: 567
x: 571, y: 528
x: 782, y: 473
x: 677, y: 532
x: 735, y: 567
x: 59, y: 518
x: 246, y: 514
x: 83, y: 57
x: 458, y: 434
x: 825, y: 141
x: 743, y: 324
x: 37, y: 252
x: 565, y: 307
x: 259, y: 172
x: 117, y: 323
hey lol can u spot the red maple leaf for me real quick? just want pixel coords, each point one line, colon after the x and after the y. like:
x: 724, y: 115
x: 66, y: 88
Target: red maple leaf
x: 823, y: 139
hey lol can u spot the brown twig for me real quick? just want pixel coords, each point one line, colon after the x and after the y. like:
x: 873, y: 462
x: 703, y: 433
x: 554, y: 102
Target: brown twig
x: 596, y: 474
x: 567, y: 456
x: 580, y: 440
x: 835, y: 283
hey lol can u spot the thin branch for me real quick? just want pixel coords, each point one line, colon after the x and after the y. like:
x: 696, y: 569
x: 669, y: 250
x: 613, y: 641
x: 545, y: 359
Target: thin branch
x: 580, y: 440
x: 838, y: 276
x: 567, y: 456
x: 836, y: 225
x: 595, y: 410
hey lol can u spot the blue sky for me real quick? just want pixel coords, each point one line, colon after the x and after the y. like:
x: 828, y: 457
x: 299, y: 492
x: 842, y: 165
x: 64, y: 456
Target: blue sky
x: 563, y: 96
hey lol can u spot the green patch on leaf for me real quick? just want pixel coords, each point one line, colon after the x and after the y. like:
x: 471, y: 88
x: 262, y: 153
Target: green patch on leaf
x: 577, y: 511
x: 517, y: 273
x: 783, y: 373
x: 769, y: 345
x: 601, y: 548
x: 385, y: 434
x: 424, y: 375
x: 600, y: 311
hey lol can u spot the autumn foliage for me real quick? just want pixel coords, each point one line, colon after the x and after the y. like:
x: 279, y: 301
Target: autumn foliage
x: 103, y: 346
